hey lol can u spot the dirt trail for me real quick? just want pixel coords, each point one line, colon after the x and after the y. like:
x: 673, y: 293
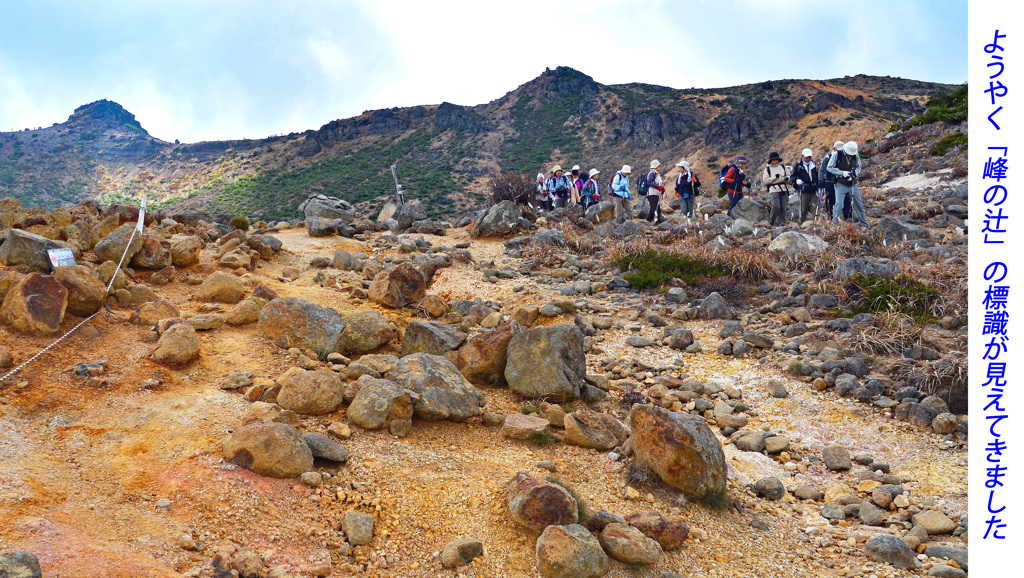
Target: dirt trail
x: 103, y: 481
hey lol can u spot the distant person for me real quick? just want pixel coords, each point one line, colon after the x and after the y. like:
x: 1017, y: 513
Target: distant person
x: 655, y: 188
x: 734, y: 180
x: 559, y: 187
x: 845, y: 165
x: 541, y: 195
x: 828, y: 181
x: 687, y: 188
x: 590, y: 192
x: 621, y: 195
x: 578, y: 180
x: 805, y: 181
x: 776, y: 184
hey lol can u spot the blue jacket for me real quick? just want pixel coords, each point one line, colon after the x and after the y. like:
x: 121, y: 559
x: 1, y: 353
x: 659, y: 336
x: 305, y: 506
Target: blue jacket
x: 553, y: 183
x: 620, y: 185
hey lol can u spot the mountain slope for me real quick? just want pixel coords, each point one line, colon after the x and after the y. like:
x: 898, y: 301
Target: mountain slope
x: 447, y: 152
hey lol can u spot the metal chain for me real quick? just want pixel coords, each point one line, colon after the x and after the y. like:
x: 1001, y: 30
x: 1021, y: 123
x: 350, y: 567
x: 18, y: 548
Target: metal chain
x: 73, y: 329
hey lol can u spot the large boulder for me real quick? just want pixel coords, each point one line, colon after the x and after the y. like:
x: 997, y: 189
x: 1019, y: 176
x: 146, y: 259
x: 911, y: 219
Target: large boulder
x: 483, y: 358
x: 547, y: 362
x: 35, y: 306
x: 443, y: 392
x: 185, y: 253
x: 151, y: 254
x: 409, y: 213
x: 538, y: 504
x: 714, y: 306
x: 865, y: 266
x: 381, y: 403
x: 23, y: 248
x: 319, y: 227
x: 794, y: 244
x: 270, y: 449
x: 431, y: 337
x: 629, y: 545
x: 398, y: 286
x: 680, y: 449
x: 309, y: 325
x: 120, y: 242
x: 892, y: 231
x: 570, y: 552
x: 891, y: 550
x: 178, y: 346
x: 500, y: 220
x: 222, y: 288
x: 312, y: 392
x: 590, y: 429
x: 749, y: 210
x: 86, y: 292
x: 19, y: 565
x: 602, y: 212
x: 326, y: 207
x: 364, y: 332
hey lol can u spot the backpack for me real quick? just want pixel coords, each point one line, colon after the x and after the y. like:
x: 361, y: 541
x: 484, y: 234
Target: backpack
x: 641, y: 185
x: 721, y: 177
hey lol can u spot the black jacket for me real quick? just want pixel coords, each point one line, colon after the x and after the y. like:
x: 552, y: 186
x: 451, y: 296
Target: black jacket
x: 810, y: 180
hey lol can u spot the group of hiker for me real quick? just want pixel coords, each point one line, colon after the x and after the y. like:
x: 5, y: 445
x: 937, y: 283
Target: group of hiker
x: 829, y: 186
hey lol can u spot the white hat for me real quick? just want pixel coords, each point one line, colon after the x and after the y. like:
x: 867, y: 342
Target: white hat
x: 684, y: 164
x: 556, y: 168
x: 540, y: 175
x: 807, y: 153
x: 655, y: 164
x: 837, y: 145
x: 626, y: 169
x: 575, y: 167
x: 850, y: 148
x: 594, y: 172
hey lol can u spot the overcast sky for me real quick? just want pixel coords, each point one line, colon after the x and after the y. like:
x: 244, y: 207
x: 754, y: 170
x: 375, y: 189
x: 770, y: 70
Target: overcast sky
x: 223, y: 69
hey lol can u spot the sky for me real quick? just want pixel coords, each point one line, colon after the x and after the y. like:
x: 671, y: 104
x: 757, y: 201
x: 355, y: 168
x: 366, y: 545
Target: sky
x: 231, y: 69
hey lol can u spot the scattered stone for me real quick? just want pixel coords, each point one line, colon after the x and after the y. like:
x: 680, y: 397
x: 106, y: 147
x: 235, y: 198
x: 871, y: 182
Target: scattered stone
x: 382, y: 403
x: 443, y: 392
x: 836, y: 458
x: 770, y: 487
x: 482, y: 360
x: 307, y: 325
x: 431, y: 337
x: 311, y: 392
x: 680, y: 448
x: 222, y: 287
x: 364, y: 332
x: 19, y: 565
x: 891, y: 550
x: 670, y: 532
x: 520, y: 426
x: 178, y: 346
x: 590, y: 429
x: 537, y: 504
x: 323, y: 447
x: 935, y: 522
x: 270, y: 449
x: 358, y: 527
x: 35, y: 306
x: 398, y: 286
x: 629, y: 545
x: 461, y: 552
x: 570, y: 551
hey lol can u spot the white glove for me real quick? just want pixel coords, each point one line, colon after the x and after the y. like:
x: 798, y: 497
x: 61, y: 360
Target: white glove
x: 846, y: 174
x: 799, y: 182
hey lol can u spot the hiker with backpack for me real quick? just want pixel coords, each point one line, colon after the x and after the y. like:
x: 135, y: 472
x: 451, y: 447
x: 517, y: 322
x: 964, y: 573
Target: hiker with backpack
x: 805, y: 180
x: 776, y: 183
x: 845, y: 165
x: 650, y: 185
x: 541, y: 192
x: 590, y: 190
x: 828, y: 182
x: 558, y: 187
x: 733, y: 179
x: 578, y: 180
x: 619, y: 186
x: 687, y: 188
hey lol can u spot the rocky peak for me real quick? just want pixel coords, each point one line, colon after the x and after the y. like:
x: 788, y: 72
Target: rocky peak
x: 107, y: 113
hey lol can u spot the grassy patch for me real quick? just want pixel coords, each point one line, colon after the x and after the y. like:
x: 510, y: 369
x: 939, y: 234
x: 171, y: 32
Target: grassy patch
x: 240, y: 222
x: 901, y: 294
x: 652, y: 268
x: 717, y: 500
x: 943, y: 106
x: 950, y: 141
x: 541, y: 438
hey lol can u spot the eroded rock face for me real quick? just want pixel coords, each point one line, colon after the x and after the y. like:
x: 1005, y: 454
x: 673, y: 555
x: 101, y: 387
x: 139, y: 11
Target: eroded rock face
x: 398, y: 286
x: 538, y: 504
x: 308, y: 325
x: 443, y: 392
x: 35, y: 306
x: 547, y: 362
x: 680, y: 448
x: 270, y: 449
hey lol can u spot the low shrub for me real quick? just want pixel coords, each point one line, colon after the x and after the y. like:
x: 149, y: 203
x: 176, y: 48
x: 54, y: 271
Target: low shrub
x: 509, y: 186
x: 948, y: 142
x: 652, y: 268
x: 239, y: 222
x: 901, y: 294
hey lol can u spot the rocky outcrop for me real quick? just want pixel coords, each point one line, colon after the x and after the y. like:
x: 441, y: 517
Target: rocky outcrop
x: 324, y: 207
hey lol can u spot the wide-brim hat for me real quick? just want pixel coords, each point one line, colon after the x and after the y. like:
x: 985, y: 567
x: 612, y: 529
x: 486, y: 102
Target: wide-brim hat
x: 838, y: 144
x: 594, y: 172
x: 655, y: 164
x: 556, y: 169
x: 626, y: 169
x: 774, y: 156
x: 685, y: 165
x: 850, y: 148
x: 575, y: 168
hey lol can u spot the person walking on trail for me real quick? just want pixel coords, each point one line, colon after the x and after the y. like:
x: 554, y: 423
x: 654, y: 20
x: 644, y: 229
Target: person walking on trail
x: 578, y: 180
x: 590, y: 191
x: 805, y: 181
x: 734, y: 180
x: 655, y: 188
x: 541, y: 194
x: 687, y: 187
x: 559, y: 187
x: 621, y: 194
x: 845, y: 165
x: 828, y: 181
x: 776, y: 183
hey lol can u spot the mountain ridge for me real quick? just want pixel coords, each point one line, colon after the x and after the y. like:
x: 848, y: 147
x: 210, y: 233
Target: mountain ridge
x: 446, y: 152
